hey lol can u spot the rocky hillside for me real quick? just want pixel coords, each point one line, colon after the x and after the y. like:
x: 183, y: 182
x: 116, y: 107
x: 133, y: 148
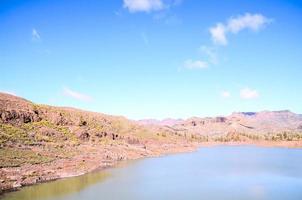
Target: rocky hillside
x: 23, y: 122
x: 40, y: 142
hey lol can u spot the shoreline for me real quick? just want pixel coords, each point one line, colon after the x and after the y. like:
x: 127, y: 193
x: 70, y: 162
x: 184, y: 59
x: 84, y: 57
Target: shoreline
x: 155, y: 151
x: 90, y: 166
x: 268, y: 144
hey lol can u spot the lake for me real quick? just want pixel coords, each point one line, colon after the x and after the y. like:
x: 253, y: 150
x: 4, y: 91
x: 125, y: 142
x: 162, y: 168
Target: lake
x: 222, y: 172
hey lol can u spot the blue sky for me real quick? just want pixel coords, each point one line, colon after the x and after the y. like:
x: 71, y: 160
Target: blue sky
x: 154, y: 58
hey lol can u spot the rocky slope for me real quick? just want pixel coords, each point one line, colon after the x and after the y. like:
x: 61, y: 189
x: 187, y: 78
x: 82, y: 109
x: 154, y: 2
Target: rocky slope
x: 40, y: 142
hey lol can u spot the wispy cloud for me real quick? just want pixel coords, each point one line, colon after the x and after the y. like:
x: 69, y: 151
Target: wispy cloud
x: 247, y: 93
x: 77, y: 95
x: 253, y: 22
x: 225, y: 94
x: 149, y: 5
x: 143, y: 5
x: 35, y: 35
x: 210, y: 54
x: 209, y: 57
x: 234, y: 25
x: 195, y: 64
x: 218, y: 34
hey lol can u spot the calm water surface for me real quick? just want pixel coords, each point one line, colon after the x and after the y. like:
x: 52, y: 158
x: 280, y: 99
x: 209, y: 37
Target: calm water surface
x: 211, y: 173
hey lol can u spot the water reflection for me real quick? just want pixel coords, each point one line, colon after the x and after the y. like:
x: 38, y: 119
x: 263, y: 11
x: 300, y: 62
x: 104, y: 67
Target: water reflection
x: 58, y: 188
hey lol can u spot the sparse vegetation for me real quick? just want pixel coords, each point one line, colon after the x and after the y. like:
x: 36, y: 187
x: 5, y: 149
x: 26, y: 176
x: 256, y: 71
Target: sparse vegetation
x: 284, y: 136
x: 12, y: 134
x: 12, y: 157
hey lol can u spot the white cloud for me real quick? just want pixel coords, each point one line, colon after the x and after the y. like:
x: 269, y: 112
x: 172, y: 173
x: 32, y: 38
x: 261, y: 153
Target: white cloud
x: 195, y: 64
x: 225, y: 94
x: 76, y: 95
x: 35, y: 34
x: 218, y: 34
x: 150, y: 5
x: 247, y: 93
x: 234, y: 25
x: 248, y: 21
x: 143, y: 5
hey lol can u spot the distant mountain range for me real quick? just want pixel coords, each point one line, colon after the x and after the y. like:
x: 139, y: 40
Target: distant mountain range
x: 244, y: 122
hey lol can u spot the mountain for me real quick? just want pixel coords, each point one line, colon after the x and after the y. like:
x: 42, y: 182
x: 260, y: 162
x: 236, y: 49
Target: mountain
x: 264, y: 123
